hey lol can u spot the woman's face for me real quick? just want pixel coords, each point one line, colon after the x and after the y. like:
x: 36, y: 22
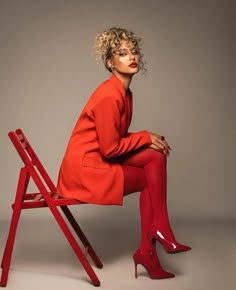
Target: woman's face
x: 125, y: 60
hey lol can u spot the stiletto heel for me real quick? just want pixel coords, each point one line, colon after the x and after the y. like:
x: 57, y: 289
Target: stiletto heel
x: 135, y: 270
x: 170, y: 245
x: 150, y: 262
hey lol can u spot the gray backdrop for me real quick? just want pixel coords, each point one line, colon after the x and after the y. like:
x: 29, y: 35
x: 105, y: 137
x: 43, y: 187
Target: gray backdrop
x: 47, y: 72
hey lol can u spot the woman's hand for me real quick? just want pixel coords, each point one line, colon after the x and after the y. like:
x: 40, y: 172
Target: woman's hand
x: 159, y: 143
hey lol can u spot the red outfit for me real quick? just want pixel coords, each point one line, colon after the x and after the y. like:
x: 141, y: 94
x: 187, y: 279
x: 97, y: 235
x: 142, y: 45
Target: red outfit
x: 103, y: 162
x: 89, y: 171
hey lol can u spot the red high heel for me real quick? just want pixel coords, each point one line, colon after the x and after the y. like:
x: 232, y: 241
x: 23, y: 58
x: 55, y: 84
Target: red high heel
x: 149, y: 260
x: 170, y: 245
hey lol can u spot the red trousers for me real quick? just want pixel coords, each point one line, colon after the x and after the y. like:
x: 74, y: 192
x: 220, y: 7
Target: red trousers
x: 145, y: 171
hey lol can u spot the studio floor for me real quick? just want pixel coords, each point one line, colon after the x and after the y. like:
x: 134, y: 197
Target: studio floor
x: 43, y: 259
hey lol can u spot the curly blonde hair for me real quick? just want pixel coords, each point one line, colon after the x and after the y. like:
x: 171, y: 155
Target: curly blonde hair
x: 108, y: 42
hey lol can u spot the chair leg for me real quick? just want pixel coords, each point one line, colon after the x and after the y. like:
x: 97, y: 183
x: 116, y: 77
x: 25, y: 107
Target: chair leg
x: 6, y: 260
x: 75, y: 245
x: 7, y: 255
x: 82, y: 237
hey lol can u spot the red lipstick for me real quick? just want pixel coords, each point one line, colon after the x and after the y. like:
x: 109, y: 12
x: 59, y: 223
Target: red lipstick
x: 133, y: 64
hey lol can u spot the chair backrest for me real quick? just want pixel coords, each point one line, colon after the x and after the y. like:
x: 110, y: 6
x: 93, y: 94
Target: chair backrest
x: 29, y: 157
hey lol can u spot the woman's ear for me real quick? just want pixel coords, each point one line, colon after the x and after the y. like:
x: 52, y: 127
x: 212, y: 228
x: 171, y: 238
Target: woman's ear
x: 109, y: 63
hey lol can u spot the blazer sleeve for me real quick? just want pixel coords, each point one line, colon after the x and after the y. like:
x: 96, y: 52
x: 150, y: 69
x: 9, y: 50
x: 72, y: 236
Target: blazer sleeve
x: 107, y: 117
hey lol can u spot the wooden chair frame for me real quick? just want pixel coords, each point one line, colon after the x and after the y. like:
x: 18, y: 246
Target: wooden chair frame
x: 46, y: 197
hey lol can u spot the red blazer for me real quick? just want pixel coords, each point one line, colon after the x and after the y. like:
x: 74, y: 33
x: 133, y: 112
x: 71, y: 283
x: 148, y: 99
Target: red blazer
x: 88, y: 171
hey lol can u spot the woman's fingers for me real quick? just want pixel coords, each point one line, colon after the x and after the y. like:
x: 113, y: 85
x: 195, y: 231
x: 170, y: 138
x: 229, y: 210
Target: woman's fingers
x: 159, y: 143
x: 157, y: 148
x: 166, y: 144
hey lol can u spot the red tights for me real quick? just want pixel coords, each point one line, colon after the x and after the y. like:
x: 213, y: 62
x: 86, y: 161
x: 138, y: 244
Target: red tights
x: 145, y: 171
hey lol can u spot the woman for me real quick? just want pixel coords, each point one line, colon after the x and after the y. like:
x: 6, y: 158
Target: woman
x: 104, y: 162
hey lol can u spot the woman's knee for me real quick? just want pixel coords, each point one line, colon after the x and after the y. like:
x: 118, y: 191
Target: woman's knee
x: 156, y: 156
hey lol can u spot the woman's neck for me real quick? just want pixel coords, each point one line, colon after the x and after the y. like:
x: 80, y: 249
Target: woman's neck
x: 125, y: 79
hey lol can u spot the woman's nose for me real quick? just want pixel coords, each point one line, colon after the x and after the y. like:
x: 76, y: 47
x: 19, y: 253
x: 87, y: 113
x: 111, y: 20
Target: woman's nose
x: 132, y: 56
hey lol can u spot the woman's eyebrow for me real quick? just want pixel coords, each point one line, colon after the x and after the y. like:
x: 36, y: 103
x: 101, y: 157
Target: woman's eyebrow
x: 123, y: 49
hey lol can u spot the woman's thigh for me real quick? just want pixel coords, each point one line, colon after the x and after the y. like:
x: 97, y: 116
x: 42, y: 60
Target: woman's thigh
x: 134, y: 179
x: 141, y: 158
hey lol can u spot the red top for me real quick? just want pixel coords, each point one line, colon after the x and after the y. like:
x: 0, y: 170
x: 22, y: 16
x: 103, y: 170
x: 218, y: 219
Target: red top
x: 88, y: 171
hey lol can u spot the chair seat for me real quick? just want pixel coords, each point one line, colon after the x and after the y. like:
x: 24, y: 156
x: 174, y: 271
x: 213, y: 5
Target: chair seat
x: 36, y: 200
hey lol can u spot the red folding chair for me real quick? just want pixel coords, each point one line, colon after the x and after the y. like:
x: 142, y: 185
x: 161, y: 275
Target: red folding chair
x: 46, y: 197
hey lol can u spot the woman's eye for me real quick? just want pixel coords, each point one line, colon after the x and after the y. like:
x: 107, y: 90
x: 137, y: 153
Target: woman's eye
x: 123, y: 54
